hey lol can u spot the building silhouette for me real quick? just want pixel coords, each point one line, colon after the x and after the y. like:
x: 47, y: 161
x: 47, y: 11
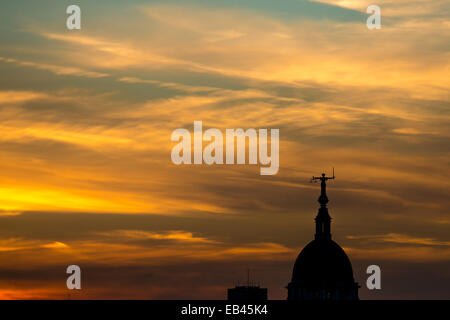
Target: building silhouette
x: 248, y: 292
x: 322, y: 270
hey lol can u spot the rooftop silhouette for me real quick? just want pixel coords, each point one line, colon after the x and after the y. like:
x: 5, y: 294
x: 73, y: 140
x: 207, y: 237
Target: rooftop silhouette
x: 249, y: 292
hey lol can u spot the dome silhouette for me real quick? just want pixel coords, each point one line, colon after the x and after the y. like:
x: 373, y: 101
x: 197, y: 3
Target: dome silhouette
x: 322, y: 270
x: 322, y: 262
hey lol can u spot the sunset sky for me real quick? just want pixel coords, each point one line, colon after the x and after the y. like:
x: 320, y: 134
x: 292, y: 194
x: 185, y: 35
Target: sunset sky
x: 86, y: 118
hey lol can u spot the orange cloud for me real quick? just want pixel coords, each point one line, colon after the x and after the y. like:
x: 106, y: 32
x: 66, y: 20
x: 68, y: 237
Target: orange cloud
x: 176, y: 235
x: 402, y: 238
x: 59, y: 70
x: 413, y: 254
x: 55, y: 245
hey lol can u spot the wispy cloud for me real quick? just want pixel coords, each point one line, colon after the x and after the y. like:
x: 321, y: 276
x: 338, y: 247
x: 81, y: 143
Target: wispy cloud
x: 411, y: 254
x: 55, y: 245
x: 59, y: 70
x: 176, y: 235
x: 401, y: 238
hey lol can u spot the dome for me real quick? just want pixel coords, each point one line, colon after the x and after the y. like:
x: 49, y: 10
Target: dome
x: 322, y: 263
x: 322, y: 270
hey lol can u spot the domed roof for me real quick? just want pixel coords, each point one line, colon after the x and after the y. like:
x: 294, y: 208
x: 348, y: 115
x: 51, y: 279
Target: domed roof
x: 322, y: 262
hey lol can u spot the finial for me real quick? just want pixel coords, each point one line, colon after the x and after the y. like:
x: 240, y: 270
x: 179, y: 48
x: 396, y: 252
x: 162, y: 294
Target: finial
x: 323, y: 219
